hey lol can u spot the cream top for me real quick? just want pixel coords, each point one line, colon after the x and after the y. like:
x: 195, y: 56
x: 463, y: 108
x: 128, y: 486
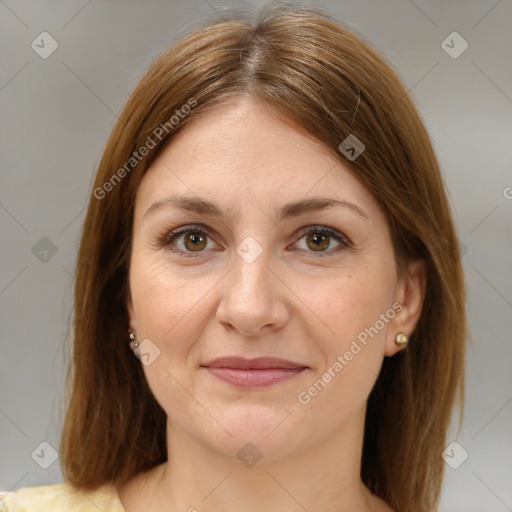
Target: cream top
x: 61, y: 498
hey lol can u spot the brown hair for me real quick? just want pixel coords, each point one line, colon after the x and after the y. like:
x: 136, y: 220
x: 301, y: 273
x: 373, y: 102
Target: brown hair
x: 314, y: 72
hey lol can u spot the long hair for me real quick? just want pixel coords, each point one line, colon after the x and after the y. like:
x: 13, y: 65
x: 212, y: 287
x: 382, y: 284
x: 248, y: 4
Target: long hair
x: 312, y: 71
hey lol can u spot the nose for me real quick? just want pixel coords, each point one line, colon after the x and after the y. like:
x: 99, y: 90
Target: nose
x: 253, y: 298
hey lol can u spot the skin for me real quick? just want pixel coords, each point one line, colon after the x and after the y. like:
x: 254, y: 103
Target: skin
x: 289, y: 302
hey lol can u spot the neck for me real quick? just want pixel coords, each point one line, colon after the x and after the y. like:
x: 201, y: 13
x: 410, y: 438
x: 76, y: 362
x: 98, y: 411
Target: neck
x: 324, y: 477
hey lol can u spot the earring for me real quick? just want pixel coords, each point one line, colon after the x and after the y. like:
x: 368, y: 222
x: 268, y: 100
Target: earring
x: 401, y: 339
x: 133, y: 344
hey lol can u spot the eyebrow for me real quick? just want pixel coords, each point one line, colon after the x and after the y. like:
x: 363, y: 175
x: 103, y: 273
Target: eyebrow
x: 293, y: 209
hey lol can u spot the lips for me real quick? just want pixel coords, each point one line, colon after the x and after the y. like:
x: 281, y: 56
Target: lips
x: 259, y: 372
x: 260, y: 363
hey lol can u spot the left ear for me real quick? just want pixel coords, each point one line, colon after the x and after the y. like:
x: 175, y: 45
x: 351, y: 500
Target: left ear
x: 410, y: 294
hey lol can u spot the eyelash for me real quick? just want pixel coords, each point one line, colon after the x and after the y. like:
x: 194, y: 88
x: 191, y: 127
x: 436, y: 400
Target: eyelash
x: 169, y: 238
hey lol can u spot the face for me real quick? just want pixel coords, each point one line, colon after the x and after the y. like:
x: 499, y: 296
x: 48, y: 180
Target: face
x: 253, y: 277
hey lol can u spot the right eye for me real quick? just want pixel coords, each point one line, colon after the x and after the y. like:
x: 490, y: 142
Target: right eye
x: 187, y: 240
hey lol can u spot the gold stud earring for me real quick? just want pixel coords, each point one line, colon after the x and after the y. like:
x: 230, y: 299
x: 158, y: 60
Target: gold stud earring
x: 133, y: 344
x: 401, y: 339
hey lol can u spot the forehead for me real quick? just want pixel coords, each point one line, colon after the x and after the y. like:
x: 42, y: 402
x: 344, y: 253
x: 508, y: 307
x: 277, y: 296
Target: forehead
x: 242, y: 154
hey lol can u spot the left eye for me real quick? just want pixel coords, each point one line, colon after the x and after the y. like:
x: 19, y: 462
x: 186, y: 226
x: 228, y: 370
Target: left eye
x: 319, y: 239
x: 195, y: 240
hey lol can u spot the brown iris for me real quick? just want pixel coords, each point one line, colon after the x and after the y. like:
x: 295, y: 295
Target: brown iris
x: 194, y: 241
x: 319, y: 241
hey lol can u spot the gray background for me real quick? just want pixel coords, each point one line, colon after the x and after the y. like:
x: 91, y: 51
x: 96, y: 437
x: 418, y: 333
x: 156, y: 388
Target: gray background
x: 57, y: 114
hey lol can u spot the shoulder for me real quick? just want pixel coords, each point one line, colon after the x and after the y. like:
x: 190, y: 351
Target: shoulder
x: 61, y: 498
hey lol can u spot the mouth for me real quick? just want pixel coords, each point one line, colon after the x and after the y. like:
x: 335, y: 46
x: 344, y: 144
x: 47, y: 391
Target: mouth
x: 253, y: 373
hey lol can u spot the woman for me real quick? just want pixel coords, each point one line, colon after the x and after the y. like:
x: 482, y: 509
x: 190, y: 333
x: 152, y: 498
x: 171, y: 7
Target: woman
x: 269, y: 301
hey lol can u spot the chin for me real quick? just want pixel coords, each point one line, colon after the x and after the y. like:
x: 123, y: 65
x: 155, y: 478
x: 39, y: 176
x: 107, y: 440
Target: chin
x: 269, y: 431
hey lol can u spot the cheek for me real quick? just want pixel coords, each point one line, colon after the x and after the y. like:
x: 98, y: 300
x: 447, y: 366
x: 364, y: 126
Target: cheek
x: 357, y: 308
x: 352, y: 351
x: 354, y: 302
x: 161, y: 295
